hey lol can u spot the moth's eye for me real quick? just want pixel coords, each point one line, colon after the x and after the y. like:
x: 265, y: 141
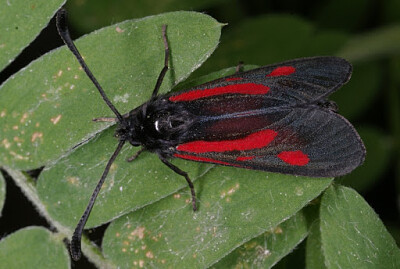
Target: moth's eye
x: 157, y: 125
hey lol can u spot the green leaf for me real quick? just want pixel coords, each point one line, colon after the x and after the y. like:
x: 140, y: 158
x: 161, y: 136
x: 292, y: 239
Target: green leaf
x: 352, y: 235
x: 352, y: 14
x: 46, y: 109
x: 2, y: 192
x: 234, y: 207
x: 364, y: 86
x: 267, y: 249
x: 382, y: 42
x: 273, y: 38
x: 20, y: 23
x: 88, y: 15
x: 33, y: 247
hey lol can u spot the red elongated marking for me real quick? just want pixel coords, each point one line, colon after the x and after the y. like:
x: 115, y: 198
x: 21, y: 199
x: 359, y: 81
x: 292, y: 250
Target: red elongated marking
x: 294, y: 157
x: 244, y: 88
x: 233, y: 79
x: 200, y: 159
x: 282, y: 71
x: 255, y: 140
x: 245, y: 158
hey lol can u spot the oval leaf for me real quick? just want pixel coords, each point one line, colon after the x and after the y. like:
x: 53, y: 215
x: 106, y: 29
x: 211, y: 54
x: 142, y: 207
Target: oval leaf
x: 269, y: 39
x: 20, y: 23
x: 33, y: 247
x: 352, y: 235
x: 234, y: 207
x: 267, y: 249
x: 92, y: 14
x: 47, y: 108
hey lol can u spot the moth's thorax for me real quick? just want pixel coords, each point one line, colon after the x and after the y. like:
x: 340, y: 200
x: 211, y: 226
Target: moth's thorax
x: 156, y: 125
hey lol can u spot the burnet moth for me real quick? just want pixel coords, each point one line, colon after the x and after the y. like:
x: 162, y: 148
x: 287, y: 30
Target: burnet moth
x: 274, y: 118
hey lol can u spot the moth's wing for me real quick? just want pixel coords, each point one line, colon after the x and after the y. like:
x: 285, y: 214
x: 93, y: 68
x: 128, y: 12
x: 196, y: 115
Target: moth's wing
x: 305, y: 80
x: 304, y: 141
x: 271, y: 119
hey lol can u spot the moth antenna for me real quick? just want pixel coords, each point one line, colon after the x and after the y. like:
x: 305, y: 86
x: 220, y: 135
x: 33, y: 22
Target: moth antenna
x: 62, y: 28
x: 166, y: 59
x: 75, y: 246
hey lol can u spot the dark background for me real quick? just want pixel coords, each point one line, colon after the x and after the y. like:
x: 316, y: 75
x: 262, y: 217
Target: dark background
x: 377, y: 119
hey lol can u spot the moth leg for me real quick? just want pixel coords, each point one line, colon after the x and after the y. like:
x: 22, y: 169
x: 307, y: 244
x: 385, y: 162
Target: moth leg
x: 239, y: 67
x: 132, y: 158
x: 184, y: 174
x: 105, y: 119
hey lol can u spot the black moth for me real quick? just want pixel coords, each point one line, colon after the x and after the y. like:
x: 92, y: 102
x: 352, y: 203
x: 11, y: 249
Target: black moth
x: 275, y: 118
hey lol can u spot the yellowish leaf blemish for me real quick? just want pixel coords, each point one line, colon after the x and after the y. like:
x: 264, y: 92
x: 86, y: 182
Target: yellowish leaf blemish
x: 229, y: 192
x: 59, y: 74
x: 119, y: 30
x: 6, y: 143
x: 113, y: 167
x: 139, y: 232
x: 177, y: 196
x: 18, y: 140
x: 36, y: 135
x: 18, y: 156
x: 149, y: 255
x: 278, y: 230
x: 72, y: 180
x: 56, y: 119
x: 24, y: 117
x: 299, y: 191
x: 3, y: 113
x: 15, y: 127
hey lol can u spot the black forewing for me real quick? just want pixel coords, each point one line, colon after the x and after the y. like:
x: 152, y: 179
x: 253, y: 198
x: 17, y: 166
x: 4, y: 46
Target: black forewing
x: 291, y: 108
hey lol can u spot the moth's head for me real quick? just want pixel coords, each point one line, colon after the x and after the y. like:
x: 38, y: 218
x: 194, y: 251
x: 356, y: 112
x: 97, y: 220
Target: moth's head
x: 127, y: 131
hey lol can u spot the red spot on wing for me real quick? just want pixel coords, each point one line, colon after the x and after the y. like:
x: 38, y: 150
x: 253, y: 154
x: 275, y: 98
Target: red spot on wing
x: 244, y: 88
x: 201, y: 159
x: 245, y: 158
x: 282, y: 71
x: 294, y: 157
x: 256, y: 140
x: 233, y: 79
